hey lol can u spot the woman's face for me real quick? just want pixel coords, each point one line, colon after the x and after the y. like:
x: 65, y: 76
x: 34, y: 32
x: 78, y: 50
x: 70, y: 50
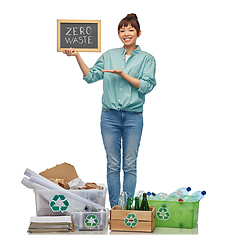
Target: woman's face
x: 128, y: 35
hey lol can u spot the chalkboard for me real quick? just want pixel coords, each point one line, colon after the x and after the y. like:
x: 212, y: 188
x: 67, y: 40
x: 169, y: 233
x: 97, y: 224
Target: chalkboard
x: 82, y: 35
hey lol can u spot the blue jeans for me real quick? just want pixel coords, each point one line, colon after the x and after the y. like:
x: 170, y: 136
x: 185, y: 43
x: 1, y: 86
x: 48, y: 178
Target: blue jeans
x: 121, y: 129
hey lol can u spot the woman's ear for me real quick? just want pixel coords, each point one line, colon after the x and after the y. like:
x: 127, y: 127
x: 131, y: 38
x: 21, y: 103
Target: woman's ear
x: 139, y: 34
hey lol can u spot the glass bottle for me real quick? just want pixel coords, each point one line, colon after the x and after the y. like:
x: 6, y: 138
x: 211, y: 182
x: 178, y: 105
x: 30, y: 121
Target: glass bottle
x: 129, y: 204
x: 122, y: 203
x: 144, y: 203
x: 137, y: 204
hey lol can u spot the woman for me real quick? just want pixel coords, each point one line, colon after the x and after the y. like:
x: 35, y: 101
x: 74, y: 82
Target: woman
x: 128, y: 74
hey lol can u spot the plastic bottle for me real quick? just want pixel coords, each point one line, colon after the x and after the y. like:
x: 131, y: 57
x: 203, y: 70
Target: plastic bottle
x: 179, y: 193
x: 161, y: 196
x: 140, y: 194
x: 87, y: 208
x: 150, y: 195
x: 195, y: 197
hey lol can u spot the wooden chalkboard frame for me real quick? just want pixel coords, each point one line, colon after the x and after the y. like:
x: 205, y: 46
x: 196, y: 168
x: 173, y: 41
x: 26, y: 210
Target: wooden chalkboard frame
x: 98, y: 22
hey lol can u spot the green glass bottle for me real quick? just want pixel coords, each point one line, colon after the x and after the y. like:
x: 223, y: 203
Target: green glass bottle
x: 137, y: 204
x: 144, y: 203
x: 129, y: 204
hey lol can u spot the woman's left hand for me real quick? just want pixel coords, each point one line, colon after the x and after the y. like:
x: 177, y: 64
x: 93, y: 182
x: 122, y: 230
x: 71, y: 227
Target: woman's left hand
x: 118, y: 72
x: 133, y: 81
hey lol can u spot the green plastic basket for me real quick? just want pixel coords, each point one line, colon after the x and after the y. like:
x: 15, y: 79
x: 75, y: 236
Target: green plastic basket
x: 174, y: 214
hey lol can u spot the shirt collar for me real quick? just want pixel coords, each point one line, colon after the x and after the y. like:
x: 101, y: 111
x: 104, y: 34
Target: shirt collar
x: 134, y: 52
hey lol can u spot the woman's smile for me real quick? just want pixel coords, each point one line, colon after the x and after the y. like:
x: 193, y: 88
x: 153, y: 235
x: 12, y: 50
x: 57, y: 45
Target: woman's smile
x: 127, y: 39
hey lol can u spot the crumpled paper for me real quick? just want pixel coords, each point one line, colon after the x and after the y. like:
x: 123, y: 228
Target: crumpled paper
x: 76, y: 183
x: 61, y: 182
x: 91, y: 185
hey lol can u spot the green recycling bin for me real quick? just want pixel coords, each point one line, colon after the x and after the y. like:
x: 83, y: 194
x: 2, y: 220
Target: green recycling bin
x: 174, y: 214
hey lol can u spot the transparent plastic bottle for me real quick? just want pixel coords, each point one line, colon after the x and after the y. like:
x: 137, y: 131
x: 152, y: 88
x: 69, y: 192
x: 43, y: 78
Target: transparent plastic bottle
x: 150, y: 196
x: 179, y: 193
x: 140, y: 194
x: 195, y: 197
x: 161, y: 196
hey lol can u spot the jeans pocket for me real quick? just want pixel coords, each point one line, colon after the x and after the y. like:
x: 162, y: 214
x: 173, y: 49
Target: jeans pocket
x: 137, y: 113
x: 105, y: 110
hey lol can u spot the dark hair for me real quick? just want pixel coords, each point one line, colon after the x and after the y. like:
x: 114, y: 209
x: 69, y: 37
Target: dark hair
x: 132, y: 19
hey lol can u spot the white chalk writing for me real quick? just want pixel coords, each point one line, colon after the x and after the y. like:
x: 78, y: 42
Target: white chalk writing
x: 72, y: 31
x: 78, y: 35
x: 79, y: 40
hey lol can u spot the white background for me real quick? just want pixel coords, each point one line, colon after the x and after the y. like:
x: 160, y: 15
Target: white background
x: 49, y: 115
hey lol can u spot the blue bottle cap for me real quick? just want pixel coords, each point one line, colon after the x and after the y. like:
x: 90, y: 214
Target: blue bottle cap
x: 188, y: 189
x: 203, y: 192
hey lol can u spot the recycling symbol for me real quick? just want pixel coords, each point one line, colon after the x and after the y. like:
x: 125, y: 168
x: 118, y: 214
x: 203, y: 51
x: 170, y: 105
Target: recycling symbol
x: 131, y: 220
x: 163, y: 214
x: 91, y: 221
x: 59, y: 203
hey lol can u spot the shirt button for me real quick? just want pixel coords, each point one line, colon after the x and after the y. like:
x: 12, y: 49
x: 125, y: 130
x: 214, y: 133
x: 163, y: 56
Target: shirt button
x: 121, y: 89
x: 119, y: 100
x: 122, y: 67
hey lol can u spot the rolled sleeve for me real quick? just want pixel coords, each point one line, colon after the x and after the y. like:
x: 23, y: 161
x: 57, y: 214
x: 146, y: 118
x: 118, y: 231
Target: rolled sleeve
x: 95, y: 73
x: 147, y: 80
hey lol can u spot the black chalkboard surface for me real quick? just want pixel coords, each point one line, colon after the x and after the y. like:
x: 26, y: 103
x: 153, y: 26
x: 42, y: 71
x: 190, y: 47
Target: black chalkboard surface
x: 82, y: 35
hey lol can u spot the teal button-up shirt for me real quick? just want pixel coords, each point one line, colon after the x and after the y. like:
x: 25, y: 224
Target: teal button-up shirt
x: 118, y: 94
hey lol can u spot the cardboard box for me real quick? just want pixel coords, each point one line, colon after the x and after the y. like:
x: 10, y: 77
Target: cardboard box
x: 132, y: 220
x: 61, y: 171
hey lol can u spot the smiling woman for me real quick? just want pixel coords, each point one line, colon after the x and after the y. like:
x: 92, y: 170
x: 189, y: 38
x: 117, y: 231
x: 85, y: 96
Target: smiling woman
x: 129, y: 31
x: 130, y: 19
x: 128, y: 35
x: 124, y: 91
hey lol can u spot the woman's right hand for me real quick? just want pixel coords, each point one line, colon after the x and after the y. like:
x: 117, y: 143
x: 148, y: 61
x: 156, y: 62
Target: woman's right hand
x: 70, y: 52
